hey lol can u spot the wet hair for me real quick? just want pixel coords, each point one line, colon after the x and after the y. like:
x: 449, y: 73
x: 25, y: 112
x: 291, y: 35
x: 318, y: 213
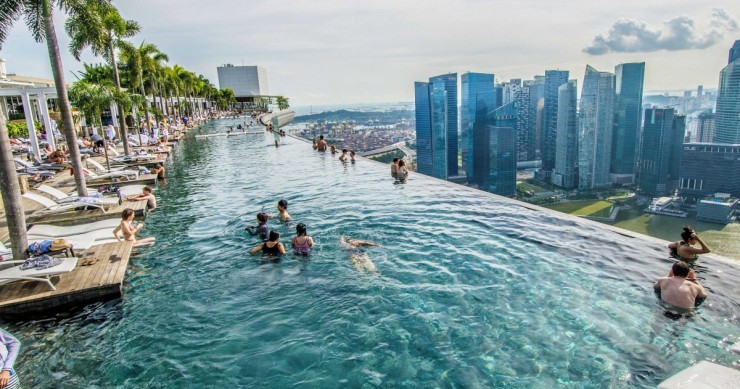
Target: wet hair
x: 686, y: 234
x: 321, y: 137
x: 127, y: 213
x: 274, y: 236
x: 300, y: 229
x: 352, y: 152
x: 401, y: 162
x: 681, y: 269
x: 395, y: 160
x: 262, y: 217
x: 147, y: 189
x: 344, y: 150
x: 283, y: 203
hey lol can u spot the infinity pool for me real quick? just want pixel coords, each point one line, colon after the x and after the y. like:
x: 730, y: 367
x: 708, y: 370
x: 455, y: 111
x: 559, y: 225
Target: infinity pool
x: 472, y: 291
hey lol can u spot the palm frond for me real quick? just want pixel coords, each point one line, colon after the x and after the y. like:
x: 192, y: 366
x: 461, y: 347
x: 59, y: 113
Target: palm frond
x: 10, y: 11
x: 33, y: 14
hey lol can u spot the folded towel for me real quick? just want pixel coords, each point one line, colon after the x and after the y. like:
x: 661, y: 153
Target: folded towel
x: 41, y: 262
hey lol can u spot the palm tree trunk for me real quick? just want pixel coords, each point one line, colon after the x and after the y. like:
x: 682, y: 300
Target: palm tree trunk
x: 11, y: 195
x: 146, y: 110
x: 64, y: 106
x: 121, y: 114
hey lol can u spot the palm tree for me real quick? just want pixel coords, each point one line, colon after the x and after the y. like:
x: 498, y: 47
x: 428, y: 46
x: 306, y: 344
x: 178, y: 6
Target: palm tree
x: 95, y: 73
x: 38, y: 15
x: 92, y: 98
x: 102, y: 29
x: 282, y: 102
x: 137, y: 61
x: 11, y: 194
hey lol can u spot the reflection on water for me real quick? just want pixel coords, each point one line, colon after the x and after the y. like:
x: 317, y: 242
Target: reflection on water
x: 470, y: 290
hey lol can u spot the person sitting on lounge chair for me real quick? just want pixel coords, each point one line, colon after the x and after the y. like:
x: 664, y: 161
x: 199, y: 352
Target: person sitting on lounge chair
x: 58, y: 157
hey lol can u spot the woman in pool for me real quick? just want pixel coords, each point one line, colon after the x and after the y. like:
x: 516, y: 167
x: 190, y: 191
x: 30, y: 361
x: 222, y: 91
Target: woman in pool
x: 357, y: 256
x: 129, y: 232
x: 301, y: 243
x: 684, y: 248
x: 272, y: 246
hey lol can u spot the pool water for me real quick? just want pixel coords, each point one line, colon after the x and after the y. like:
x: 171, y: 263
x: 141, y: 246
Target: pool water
x: 472, y: 291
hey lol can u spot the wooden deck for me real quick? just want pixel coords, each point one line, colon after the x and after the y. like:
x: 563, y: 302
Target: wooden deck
x: 84, y: 285
x: 144, y: 179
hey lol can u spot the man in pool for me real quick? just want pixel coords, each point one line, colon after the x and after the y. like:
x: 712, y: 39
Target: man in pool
x: 357, y: 256
x: 680, y: 288
x: 321, y: 145
x: 146, y: 194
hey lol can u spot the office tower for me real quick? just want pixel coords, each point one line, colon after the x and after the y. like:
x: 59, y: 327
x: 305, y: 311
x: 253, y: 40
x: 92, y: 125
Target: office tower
x: 709, y: 168
x: 700, y: 92
x: 525, y: 129
x: 553, y: 80
x: 627, y: 121
x: 494, y: 150
x: 596, y: 125
x: 443, y: 99
x: 705, y: 127
x: 661, y: 148
x: 499, y: 88
x: 424, y: 153
x: 734, y: 52
x: 565, y: 174
x: 477, y: 101
x: 536, y: 107
x: 728, y: 100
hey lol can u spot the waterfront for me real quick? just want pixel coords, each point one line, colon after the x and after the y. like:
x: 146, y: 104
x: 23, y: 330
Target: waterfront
x: 472, y: 290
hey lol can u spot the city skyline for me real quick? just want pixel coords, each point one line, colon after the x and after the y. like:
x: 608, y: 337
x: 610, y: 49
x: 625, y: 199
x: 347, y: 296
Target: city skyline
x: 314, y: 63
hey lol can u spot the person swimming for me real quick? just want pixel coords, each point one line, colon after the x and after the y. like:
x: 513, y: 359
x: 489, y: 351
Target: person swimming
x: 261, y: 229
x: 272, y: 246
x: 301, y: 243
x: 683, y: 249
x: 282, y: 207
x: 359, y: 258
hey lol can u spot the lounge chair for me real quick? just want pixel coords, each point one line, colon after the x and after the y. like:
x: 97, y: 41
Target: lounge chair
x: 120, y: 169
x: 63, y: 198
x: 26, y: 168
x: 47, y: 165
x: 43, y: 275
x: 52, y: 231
x: 128, y: 175
x: 51, y: 206
x: 79, y: 241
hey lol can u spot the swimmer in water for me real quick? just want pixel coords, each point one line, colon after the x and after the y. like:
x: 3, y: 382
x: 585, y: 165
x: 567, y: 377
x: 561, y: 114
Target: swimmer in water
x: 683, y: 248
x: 357, y: 256
x: 282, y: 207
x: 301, y: 243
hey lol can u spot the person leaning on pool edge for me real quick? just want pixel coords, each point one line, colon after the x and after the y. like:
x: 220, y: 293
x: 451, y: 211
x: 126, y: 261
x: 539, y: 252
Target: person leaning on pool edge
x: 680, y: 288
x: 683, y: 248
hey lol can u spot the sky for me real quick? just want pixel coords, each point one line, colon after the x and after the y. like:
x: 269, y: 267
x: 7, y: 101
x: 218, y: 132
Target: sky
x: 345, y: 51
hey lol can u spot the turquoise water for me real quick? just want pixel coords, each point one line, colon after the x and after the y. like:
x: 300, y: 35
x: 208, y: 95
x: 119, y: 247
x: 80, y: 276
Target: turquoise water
x: 471, y: 291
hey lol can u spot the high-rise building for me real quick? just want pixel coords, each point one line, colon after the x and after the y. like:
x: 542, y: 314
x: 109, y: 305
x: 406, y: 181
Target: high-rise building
x: 734, y: 52
x: 728, y: 100
x: 659, y: 165
x: 553, y: 80
x: 565, y: 174
x: 424, y: 151
x: 438, y: 133
x: 596, y: 124
x: 537, y: 108
x: 494, y: 150
x: 706, y: 123
x: 627, y: 121
x: 477, y: 101
x: 249, y: 83
x: 527, y: 141
x: 708, y: 168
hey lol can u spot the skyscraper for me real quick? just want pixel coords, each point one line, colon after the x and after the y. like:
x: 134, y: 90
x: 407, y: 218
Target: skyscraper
x: 566, y: 144
x: 553, y: 80
x: 662, y: 138
x: 477, y: 100
x: 728, y: 100
x: 424, y: 152
x: 627, y: 122
x: 436, y: 126
x: 705, y: 127
x: 443, y: 99
x: 596, y: 124
x: 494, y: 150
x: 537, y: 107
x: 708, y: 168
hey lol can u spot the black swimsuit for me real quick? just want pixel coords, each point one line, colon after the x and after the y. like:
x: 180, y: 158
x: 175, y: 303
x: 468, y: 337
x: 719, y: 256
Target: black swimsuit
x: 270, y: 250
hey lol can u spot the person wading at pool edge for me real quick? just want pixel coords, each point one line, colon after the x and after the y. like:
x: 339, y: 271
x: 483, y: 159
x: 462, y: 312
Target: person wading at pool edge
x: 680, y: 288
x: 321, y: 145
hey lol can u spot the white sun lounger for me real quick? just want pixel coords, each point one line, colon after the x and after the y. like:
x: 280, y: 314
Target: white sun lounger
x: 121, y: 169
x: 44, y: 275
x: 51, y: 206
x: 64, y: 198
x: 125, y: 174
x: 52, y: 231
x: 80, y: 241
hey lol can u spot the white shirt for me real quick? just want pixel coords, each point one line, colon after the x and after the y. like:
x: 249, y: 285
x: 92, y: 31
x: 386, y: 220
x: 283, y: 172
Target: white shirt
x: 110, y: 132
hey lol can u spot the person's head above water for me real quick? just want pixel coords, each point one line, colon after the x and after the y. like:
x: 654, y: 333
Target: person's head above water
x: 283, y: 204
x: 681, y: 269
x: 344, y: 151
x: 401, y: 162
x: 395, y: 160
x: 300, y: 229
x: 146, y: 189
x: 274, y: 236
x: 687, y: 234
x: 321, y: 137
x: 262, y: 217
x: 127, y: 213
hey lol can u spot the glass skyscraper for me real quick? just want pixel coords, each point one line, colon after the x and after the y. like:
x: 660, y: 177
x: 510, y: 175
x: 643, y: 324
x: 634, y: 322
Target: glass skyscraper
x: 565, y: 174
x: 494, y: 150
x: 728, y: 100
x: 596, y: 124
x: 443, y: 98
x: 477, y: 101
x: 660, y: 156
x: 709, y: 168
x: 436, y: 126
x: 553, y: 80
x: 627, y: 121
x: 706, y: 124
